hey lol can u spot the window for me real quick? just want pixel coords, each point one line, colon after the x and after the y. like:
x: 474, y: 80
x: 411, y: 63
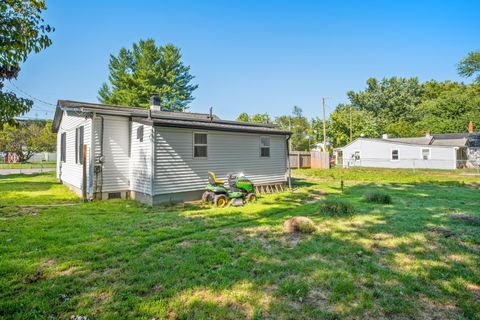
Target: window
x: 79, y: 145
x: 264, y: 146
x: 200, y: 144
x: 63, y: 147
x: 356, y: 156
x: 425, y: 154
x: 140, y: 133
x: 394, y: 154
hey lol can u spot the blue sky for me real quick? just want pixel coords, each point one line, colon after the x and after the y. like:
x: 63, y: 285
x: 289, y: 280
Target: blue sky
x: 255, y: 56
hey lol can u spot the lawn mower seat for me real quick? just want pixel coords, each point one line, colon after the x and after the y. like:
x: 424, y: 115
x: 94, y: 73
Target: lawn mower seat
x: 212, y: 179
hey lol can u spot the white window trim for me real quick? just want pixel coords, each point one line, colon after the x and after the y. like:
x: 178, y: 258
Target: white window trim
x: 269, y: 147
x: 200, y: 145
x: 429, y: 153
x: 391, y: 154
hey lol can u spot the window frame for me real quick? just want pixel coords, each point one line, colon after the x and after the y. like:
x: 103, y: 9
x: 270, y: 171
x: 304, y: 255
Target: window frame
x: 269, y: 147
x: 63, y: 147
x: 355, y: 155
x: 79, y: 142
x: 429, y: 153
x: 391, y: 154
x: 199, y: 145
x: 140, y: 132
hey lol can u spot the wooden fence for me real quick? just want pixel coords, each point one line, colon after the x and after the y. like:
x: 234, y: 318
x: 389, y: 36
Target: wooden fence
x: 313, y: 159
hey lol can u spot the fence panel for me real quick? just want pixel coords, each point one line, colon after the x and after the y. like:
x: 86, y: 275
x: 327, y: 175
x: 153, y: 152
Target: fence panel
x: 300, y: 159
x: 320, y: 160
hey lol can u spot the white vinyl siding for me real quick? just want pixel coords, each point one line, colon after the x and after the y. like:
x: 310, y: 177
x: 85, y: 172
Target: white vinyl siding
x: 116, y: 162
x: 70, y: 171
x: 140, y: 158
x: 378, y: 153
x: 176, y: 169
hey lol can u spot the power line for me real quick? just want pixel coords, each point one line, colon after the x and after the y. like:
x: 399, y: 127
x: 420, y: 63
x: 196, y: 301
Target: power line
x: 30, y: 96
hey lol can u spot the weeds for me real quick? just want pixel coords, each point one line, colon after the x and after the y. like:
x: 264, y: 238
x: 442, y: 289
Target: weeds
x: 377, y: 197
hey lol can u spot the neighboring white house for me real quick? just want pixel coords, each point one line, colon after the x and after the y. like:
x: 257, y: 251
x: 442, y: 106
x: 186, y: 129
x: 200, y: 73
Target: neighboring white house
x: 155, y: 156
x: 437, y: 151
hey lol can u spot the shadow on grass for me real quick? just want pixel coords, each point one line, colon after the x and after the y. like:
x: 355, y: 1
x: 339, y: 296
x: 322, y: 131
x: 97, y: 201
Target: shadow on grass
x: 121, y: 259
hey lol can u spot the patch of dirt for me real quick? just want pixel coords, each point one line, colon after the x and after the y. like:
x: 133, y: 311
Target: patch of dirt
x: 315, y: 196
x: 32, y: 278
x: 465, y: 218
x: 433, y: 310
x: 318, y: 298
x: 442, y: 231
x: 20, y: 211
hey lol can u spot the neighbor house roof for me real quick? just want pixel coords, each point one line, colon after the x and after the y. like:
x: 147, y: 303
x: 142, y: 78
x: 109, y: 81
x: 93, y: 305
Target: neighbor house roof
x: 163, y: 118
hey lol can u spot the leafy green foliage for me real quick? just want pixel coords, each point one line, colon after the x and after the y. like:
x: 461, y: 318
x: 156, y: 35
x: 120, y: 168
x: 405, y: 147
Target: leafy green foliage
x: 377, y: 197
x: 255, y: 118
x: 389, y: 99
x: 299, y: 125
x: 27, y: 138
x: 148, y: 69
x: 336, y: 208
x: 22, y: 31
x: 406, y: 108
x: 470, y: 66
x: 364, y: 124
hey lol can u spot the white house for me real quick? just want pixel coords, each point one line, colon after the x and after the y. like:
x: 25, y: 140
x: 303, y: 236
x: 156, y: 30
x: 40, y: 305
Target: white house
x: 437, y: 151
x: 155, y: 156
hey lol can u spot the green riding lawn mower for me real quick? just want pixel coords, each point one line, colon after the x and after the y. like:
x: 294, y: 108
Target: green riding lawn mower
x: 240, y: 190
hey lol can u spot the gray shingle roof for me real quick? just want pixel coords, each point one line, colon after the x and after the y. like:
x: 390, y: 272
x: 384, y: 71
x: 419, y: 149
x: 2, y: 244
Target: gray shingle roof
x: 170, y: 119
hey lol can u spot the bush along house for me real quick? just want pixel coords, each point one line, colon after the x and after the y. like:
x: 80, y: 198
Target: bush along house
x: 155, y: 156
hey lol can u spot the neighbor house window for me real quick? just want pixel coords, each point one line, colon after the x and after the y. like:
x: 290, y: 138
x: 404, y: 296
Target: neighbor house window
x: 63, y: 147
x: 356, y: 156
x: 200, y: 143
x: 394, y: 154
x: 140, y: 133
x: 425, y: 154
x: 79, y: 145
x: 265, y: 146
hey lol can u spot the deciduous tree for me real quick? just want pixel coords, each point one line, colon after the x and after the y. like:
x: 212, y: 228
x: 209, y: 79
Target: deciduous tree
x: 470, y: 66
x: 22, y: 31
x: 27, y: 138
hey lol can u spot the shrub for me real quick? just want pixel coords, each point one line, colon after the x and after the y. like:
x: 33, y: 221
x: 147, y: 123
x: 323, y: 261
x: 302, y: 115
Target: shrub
x: 299, y: 224
x: 377, y: 197
x: 336, y: 208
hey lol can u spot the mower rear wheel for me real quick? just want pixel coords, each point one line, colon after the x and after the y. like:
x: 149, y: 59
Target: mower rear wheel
x: 206, y: 196
x: 220, y: 200
x: 251, y: 197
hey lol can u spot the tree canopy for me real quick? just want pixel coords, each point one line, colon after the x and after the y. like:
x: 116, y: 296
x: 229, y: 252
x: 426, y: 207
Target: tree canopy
x: 27, y: 138
x: 22, y: 31
x: 146, y: 69
x: 470, y: 66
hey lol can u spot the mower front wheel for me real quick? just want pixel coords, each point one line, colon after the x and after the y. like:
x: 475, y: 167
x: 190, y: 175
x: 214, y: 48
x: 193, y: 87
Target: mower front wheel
x: 220, y: 200
x: 251, y: 197
x: 206, y: 197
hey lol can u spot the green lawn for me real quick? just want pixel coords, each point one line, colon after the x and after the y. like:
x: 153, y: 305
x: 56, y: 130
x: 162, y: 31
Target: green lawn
x: 119, y: 259
x: 27, y: 165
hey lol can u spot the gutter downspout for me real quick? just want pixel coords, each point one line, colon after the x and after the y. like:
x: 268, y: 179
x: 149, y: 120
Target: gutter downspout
x: 288, y: 162
x: 152, y: 162
x: 91, y: 191
x: 98, y: 163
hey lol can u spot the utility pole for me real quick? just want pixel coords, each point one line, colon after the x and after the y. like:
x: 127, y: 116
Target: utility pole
x: 351, y: 124
x: 324, y: 125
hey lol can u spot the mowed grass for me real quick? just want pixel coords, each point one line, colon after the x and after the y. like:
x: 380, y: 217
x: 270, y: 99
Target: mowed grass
x: 119, y: 259
x: 32, y: 165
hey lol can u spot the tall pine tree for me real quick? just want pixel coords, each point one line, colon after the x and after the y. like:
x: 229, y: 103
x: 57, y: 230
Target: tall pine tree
x: 144, y: 70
